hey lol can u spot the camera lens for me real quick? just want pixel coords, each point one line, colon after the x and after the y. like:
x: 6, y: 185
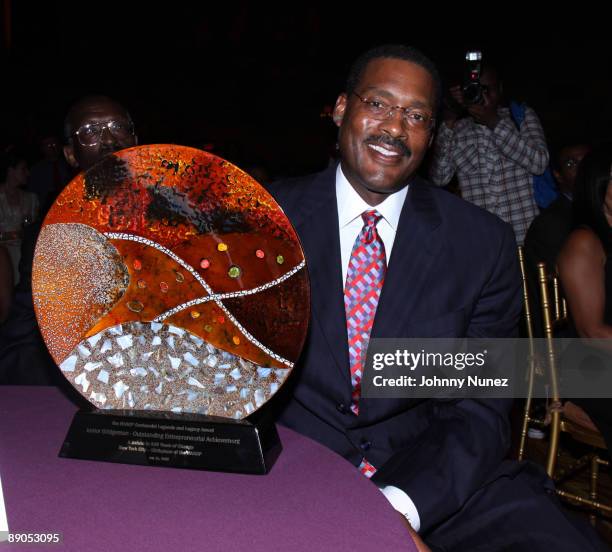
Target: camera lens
x: 472, y: 93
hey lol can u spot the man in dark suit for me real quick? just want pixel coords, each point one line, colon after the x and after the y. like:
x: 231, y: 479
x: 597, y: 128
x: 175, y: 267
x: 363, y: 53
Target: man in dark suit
x: 428, y: 265
x: 551, y: 227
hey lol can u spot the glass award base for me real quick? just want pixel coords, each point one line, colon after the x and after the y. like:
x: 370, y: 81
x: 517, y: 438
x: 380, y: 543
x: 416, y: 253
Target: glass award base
x: 192, y: 441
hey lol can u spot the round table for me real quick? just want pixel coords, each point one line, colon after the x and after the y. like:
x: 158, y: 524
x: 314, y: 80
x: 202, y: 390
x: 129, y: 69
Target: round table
x: 311, y: 500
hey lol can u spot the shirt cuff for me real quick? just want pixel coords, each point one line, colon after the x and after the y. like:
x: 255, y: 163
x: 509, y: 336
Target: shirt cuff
x: 403, y: 504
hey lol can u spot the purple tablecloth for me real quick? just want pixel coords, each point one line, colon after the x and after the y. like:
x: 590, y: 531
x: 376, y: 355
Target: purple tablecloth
x: 312, y: 499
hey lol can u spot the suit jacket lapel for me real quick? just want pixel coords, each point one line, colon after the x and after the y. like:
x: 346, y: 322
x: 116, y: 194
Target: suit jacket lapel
x: 414, y: 249
x: 408, y: 273
x: 318, y: 230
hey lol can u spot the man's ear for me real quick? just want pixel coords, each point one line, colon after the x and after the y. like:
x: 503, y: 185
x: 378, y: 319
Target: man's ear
x: 69, y: 155
x: 339, y: 109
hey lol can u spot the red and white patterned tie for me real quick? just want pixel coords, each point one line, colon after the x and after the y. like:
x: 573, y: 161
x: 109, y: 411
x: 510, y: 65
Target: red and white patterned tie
x: 364, y: 280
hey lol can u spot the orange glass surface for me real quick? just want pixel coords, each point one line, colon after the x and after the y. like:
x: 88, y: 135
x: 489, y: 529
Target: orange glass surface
x: 174, y: 235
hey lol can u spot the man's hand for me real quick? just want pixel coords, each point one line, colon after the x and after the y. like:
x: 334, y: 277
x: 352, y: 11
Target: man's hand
x: 421, y: 546
x: 484, y: 113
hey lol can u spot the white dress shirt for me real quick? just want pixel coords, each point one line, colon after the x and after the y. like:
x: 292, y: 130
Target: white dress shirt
x: 350, y: 207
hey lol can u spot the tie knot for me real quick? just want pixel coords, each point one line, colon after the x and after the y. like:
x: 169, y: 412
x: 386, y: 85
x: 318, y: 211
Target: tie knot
x: 371, y: 218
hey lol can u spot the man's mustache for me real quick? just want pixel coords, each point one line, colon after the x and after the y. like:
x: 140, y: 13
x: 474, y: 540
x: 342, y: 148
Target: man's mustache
x: 395, y: 143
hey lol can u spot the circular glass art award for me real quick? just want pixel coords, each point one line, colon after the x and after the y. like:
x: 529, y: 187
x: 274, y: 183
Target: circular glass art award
x: 172, y: 292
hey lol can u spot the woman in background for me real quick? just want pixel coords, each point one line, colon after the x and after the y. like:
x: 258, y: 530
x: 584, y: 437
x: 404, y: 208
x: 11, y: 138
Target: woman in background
x: 18, y: 208
x: 585, y: 270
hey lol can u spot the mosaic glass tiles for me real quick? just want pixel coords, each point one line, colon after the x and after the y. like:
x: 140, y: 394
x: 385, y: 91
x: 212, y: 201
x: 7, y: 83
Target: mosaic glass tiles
x: 166, y: 278
x: 147, y: 366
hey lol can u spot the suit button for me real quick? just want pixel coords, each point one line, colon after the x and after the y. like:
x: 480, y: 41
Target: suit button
x: 366, y: 445
x: 341, y: 408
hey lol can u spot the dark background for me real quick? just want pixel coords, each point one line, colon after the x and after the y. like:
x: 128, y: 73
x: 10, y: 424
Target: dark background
x: 251, y: 82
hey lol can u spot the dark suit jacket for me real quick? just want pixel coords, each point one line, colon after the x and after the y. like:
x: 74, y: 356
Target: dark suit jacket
x: 453, y: 271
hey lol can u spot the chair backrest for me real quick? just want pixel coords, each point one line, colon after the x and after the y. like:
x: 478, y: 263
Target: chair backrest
x: 554, y: 316
x: 527, y: 308
x: 554, y: 313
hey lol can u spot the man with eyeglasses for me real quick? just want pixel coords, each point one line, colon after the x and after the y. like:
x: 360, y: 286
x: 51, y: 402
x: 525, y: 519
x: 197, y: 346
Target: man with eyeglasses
x: 494, y: 158
x: 96, y: 126
x: 552, y: 226
x: 389, y: 255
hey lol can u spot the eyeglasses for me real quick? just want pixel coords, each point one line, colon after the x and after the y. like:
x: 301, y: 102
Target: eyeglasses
x: 571, y: 163
x: 90, y: 135
x: 415, y: 118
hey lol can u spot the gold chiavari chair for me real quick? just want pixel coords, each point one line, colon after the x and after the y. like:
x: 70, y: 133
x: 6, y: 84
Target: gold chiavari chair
x: 561, y: 420
x: 534, y: 369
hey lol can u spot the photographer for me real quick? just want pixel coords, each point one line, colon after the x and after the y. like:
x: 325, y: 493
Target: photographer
x: 494, y: 156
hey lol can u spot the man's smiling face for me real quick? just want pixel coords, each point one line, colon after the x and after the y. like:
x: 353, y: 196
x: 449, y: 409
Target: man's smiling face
x: 380, y: 155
